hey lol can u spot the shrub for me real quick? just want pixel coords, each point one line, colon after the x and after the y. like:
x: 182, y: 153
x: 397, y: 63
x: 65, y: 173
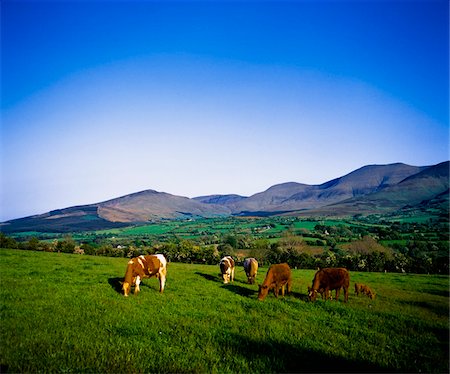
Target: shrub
x: 7, y: 242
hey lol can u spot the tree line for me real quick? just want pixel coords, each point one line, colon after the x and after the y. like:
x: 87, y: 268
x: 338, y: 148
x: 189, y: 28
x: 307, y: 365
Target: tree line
x: 364, y: 254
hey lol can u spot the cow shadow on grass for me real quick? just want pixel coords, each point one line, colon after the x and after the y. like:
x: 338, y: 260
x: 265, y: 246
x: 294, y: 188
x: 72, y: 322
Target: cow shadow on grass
x: 250, y: 292
x: 239, y: 290
x: 276, y: 356
x: 210, y: 277
x: 300, y: 296
x: 116, y: 284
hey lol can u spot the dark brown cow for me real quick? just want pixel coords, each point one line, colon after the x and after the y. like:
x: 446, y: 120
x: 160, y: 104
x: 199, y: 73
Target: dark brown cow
x: 144, y: 267
x: 330, y: 279
x: 278, y: 276
x: 251, y: 268
x: 227, y: 269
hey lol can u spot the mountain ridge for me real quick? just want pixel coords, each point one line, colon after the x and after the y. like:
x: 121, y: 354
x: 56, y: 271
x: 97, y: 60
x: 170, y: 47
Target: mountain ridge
x: 369, y: 189
x: 297, y: 196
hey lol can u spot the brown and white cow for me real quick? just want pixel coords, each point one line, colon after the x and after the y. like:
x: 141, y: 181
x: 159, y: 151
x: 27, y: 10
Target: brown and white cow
x: 227, y: 269
x: 278, y: 276
x: 330, y: 279
x: 251, y: 268
x: 145, y: 267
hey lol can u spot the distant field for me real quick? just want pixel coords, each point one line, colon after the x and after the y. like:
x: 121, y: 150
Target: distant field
x: 146, y: 230
x: 65, y: 313
x: 201, y: 227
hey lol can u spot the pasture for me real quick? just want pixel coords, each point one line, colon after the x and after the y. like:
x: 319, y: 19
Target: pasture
x: 65, y: 313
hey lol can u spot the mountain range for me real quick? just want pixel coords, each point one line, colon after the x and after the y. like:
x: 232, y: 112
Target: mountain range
x: 367, y: 190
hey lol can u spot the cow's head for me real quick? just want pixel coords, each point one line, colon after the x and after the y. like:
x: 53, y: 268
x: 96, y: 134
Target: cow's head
x: 372, y: 295
x: 263, y: 290
x: 126, y: 287
x: 312, y: 294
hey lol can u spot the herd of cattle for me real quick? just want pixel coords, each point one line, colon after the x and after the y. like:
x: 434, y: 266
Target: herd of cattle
x: 278, y: 277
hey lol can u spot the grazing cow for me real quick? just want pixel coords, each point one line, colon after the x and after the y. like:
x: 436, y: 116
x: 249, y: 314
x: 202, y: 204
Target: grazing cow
x: 278, y: 276
x: 251, y: 268
x: 322, y: 292
x: 227, y: 269
x: 144, y: 267
x: 370, y: 293
x: 365, y: 290
x: 330, y: 279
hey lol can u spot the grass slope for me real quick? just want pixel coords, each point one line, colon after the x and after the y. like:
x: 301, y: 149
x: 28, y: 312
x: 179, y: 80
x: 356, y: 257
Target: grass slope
x: 65, y: 313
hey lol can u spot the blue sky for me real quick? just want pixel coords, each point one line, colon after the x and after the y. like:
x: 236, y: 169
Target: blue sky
x: 104, y: 98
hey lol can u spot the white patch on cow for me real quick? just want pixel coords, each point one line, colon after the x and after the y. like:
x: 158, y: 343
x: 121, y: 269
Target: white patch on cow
x: 162, y: 259
x: 131, y: 262
x: 138, y: 282
x: 140, y: 262
x: 162, y: 271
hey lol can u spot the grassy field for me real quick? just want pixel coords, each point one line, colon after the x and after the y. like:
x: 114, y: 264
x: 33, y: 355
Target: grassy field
x: 65, y: 313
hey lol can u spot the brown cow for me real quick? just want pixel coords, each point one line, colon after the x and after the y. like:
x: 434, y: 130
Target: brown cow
x: 330, y: 279
x: 227, y: 269
x: 278, y: 276
x: 362, y: 288
x: 144, y: 267
x: 251, y: 268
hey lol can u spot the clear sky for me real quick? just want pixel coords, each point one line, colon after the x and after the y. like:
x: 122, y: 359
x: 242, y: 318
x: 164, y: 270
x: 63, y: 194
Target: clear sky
x: 104, y: 98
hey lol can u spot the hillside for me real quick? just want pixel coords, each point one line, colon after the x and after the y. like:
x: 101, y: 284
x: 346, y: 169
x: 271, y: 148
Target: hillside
x: 370, y: 189
x: 220, y: 199
x: 138, y: 207
x: 427, y: 189
x: 79, y: 218
x: 149, y: 205
x: 295, y: 196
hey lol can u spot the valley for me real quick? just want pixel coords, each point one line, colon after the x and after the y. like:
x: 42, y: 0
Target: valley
x: 388, y: 190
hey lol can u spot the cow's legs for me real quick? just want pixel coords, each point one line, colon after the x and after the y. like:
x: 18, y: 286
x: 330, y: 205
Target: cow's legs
x: 232, y: 274
x: 338, y: 290
x: 162, y: 282
x: 345, y: 294
x: 138, y: 282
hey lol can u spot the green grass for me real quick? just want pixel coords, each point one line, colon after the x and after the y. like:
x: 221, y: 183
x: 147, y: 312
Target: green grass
x: 63, y: 313
x: 147, y: 230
